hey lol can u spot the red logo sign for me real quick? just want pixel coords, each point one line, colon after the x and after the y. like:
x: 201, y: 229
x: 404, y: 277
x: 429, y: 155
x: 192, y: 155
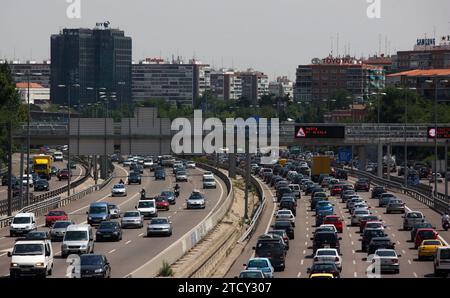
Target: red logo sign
x: 301, y: 133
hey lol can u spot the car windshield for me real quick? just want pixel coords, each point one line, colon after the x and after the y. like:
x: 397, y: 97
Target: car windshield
x: 75, y: 236
x: 131, y: 214
x: 332, y: 219
x: 423, y: 225
x: 159, y: 221
x: 284, y: 212
x: 107, y: 225
x: 326, y: 252
x: 180, y: 173
x: 118, y: 186
x: 432, y: 242
x: 373, y: 225
x: 97, y: 210
x: 427, y: 234
x: 61, y: 224
x: 388, y: 195
x: 324, y: 267
x: 386, y: 253
x: 359, y: 212
x: 414, y: 215
x: 195, y: 196
x: 257, y: 263
x: 91, y: 260
x: 323, y: 204
x: 369, y: 218
x: 282, y: 224
x: 56, y: 213
x: 250, y: 274
x: 325, y: 237
x: 28, y: 249
x: 150, y: 204
x: 161, y: 199
x: 167, y: 193
x: 21, y: 220
x: 375, y: 233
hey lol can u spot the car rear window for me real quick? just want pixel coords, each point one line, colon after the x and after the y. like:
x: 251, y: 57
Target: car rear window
x: 433, y: 242
x: 332, y: 219
x: 426, y: 234
x: 330, y: 237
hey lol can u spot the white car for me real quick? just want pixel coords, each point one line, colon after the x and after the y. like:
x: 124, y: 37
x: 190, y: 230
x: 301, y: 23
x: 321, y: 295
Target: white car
x: 31, y: 258
x: 358, y: 214
x: 328, y: 255
x: 22, y: 223
x: 190, y: 165
x: 327, y: 227
x: 128, y: 162
x: 148, y: 163
x: 27, y: 179
x: 208, y: 175
x: 119, y: 190
x: 147, y: 208
x: 286, y: 215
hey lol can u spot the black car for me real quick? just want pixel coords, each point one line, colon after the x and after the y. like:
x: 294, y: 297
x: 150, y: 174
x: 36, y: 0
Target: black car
x: 341, y: 174
x: 285, y: 225
x: 377, y: 190
x: 379, y: 243
x: 160, y: 174
x: 282, y: 234
x: 94, y: 265
x: 108, y: 230
x: 137, y: 168
x: 368, y: 235
x: 420, y: 225
x: 283, y: 190
x: 362, y: 184
x: 5, y: 180
x: 324, y: 267
x: 273, y: 249
x: 54, y: 171
x: 41, y: 184
x: 326, y: 239
x: 134, y: 178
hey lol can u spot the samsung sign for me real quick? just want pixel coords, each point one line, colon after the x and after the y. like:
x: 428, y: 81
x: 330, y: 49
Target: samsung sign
x: 426, y: 42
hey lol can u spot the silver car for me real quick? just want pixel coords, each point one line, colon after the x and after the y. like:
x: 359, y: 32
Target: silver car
x: 412, y: 218
x: 395, y: 206
x: 114, y: 210
x: 159, y: 226
x: 181, y: 176
x: 286, y: 215
x: 59, y: 229
x: 358, y: 214
x: 386, y: 260
x: 384, y: 199
x: 119, y: 190
x: 132, y: 219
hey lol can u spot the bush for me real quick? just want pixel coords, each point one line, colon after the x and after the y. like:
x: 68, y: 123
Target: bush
x: 166, y: 270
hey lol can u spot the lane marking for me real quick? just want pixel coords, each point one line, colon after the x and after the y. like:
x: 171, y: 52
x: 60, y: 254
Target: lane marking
x: 111, y: 251
x: 398, y: 242
x: 350, y: 235
x: 141, y: 234
x: 354, y: 262
x: 403, y: 251
x: 299, y: 274
x: 128, y: 242
x: 306, y: 243
x: 409, y: 262
x: 393, y: 235
x: 301, y: 262
x: 415, y: 274
x: 353, y: 251
x: 355, y: 274
x: 304, y: 252
x: 3, y: 254
x: 353, y: 243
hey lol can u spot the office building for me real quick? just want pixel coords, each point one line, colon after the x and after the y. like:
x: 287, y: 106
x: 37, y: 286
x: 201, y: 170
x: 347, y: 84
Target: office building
x: 282, y: 87
x: 255, y: 84
x: 39, y: 71
x: 226, y: 85
x: 98, y: 60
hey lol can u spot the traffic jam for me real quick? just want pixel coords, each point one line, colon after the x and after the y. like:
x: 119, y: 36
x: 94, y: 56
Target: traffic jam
x: 327, y: 224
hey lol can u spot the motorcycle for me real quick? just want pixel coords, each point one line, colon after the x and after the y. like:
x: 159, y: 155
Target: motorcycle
x: 177, y: 193
x: 446, y: 225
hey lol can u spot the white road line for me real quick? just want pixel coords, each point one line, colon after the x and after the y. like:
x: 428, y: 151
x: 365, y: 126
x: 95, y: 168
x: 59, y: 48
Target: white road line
x: 301, y: 262
x: 353, y: 243
x: 388, y: 228
x: 307, y: 235
x: 354, y: 262
x: 353, y: 251
x: 306, y: 243
x: 299, y: 274
x: 355, y: 274
x: 398, y: 242
x: 111, y: 251
x: 393, y: 235
x: 307, y: 229
x: 304, y: 252
x: 141, y: 234
x: 128, y: 242
x: 350, y: 235
x: 409, y: 262
x: 3, y: 254
x: 415, y: 274
x: 2, y: 238
x: 307, y: 223
x: 403, y: 251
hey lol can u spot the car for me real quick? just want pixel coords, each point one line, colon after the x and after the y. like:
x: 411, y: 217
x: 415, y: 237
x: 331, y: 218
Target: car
x: 72, y: 165
x: 59, y: 228
x: 284, y: 214
x: 368, y: 235
x: 395, y: 206
x: 376, y: 191
x: 160, y: 174
x: 148, y: 163
x: 159, y: 226
x: 324, y: 267
x: 384, y: 199
x: 341, y: 174
x: 411, y: 218
x: 134, y: 178
x: 251, y: 274
x: 424, y: 234
x: 362, y: 184
x: 114, y: 210
x: 441, y: 261
x: 366, y: 219
x: 282, y: 234
x: 31, y: 258
x: 334, y: 220
x: 162, y: 203
x: 196, y: 200
x: 94, y: 266
x: 288, y: 203
x: 272, y: 248
x: 22, y: 223
x: 378, y: 243
x: 55, y: 215
x: 27, y: 180
x: 190, y: 164
x: 108, y: 230
x: 428, y: 248
x: 286, y: 226
x: 38, y: 235
x: 345, y: 194
x: 170, y: 195
x: 78, y: 239
x: 296, y: 190
x: 352, y: 201
x: 357, y: 214
x: 387, y: 260
x: 147, y: 208
x: 132, y: 219
x: 5, y: 180
x: 326, y: 239
x: 417, y: 226
x: 63, y: 174
x: 181, y: 176
x: 119, y: 190
x: 282, y: 191
x: 328, y: 255
x: 41, y: 185
x: 262, y: 264
x: 208, y: 175
x: 324, y: 206
x: 98, y: 212
x: 209, y: 182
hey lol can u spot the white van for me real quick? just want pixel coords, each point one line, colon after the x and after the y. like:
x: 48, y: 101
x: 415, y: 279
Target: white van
x: 31, y: 257
x: 442, y: 261
x: 147, y: 208
x: 22, y: 223
x: 58, y: 156
x: 296, y: 190
x: 78, y: 239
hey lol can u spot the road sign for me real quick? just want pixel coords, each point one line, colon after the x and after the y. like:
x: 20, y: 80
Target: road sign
x: 319, y: 132
x: 344, y: 155
x: 442, y: 132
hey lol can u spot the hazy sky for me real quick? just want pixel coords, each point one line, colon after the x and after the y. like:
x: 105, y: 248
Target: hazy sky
x: 273, y: 36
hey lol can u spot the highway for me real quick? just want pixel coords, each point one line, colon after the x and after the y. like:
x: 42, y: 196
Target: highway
x: 135, y: 248
x: 299, y: 256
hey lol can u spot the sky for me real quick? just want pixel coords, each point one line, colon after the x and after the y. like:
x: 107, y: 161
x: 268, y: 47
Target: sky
x: 272, y: 36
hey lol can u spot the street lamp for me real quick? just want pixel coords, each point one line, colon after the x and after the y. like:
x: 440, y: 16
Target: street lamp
x: 436, y: 83
x: 121, y: 84
x: 68, y: 135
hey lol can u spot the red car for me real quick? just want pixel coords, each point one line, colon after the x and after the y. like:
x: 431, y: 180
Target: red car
x: 336, y: 190
x: 424, y: 234
x: 63, y: 174
x: 162, y: 203
x: 55, y: 215
x: 334, y: 220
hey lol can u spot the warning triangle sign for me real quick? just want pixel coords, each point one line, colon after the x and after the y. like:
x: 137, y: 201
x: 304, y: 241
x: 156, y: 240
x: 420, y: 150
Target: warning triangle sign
x: 301, y: 133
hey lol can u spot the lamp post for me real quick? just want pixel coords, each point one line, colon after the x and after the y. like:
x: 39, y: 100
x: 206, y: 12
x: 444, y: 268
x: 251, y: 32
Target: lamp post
x: 121, y: 84
x: 28, y: 73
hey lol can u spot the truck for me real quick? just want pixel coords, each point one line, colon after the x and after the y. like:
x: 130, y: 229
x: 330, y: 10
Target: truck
x: 321, y: 165
x: 42, y: 165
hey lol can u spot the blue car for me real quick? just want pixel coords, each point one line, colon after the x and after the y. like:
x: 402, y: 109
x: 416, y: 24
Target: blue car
x: 262, y: 264
x: 320, y: 216
x: 323, y: 206
x: 160, y: 174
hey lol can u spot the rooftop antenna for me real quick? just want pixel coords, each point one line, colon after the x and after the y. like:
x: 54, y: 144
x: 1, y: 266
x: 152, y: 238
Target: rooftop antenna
x: 337, y: 44
x: 332, y: 45
x: 221, y: 61
x: 379, y: 44
x: 434, y: 31
x: 385, y: 44
x: 349, y: 48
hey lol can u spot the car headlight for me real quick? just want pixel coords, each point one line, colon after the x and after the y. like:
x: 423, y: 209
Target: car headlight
x: 83, y: 246
x: 115, y: 233
x: 14, y: 265
x: 90, y: 217
x: 40, y: 264
x: 100, y: 270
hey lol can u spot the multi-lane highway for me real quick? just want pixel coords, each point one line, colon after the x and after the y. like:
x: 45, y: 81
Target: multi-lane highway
x: 299, y: 257
x: 135, y: 248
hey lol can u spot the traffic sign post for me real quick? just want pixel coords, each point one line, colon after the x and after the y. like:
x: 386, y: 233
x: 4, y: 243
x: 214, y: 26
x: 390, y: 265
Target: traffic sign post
x: 344, y: 155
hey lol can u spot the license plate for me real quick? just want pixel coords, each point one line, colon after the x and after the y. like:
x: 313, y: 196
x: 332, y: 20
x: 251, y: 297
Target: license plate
x: 106, y: 236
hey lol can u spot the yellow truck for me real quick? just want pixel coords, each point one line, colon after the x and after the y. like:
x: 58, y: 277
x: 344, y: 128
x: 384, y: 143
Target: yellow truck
x: 321, y: 165
x: 42, y: 165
